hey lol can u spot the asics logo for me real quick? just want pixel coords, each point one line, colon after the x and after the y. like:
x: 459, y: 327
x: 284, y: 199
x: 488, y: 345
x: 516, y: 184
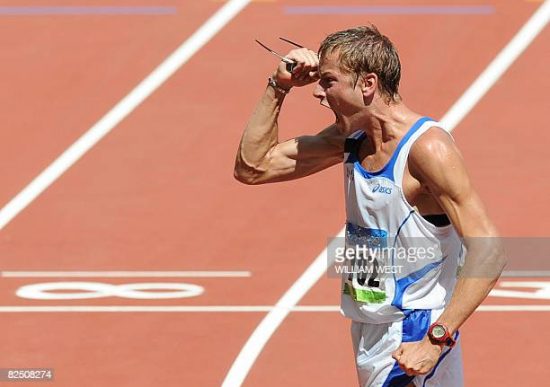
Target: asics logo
x: 379, y: 188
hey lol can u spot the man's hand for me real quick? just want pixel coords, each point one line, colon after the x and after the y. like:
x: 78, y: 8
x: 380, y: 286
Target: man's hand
x: 304, y: 73
x: 417, y: 358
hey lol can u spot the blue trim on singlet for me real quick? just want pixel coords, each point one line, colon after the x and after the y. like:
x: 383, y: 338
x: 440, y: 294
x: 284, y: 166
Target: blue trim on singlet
x: 395, y: 239
x: 415, y: 327
x: 431, y: 374
x: 351, y: 146
x: 387, y: 170
x: 402, y: 284
x: 401, y: 226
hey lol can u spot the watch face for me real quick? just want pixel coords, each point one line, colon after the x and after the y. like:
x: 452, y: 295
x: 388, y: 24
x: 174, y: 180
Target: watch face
x: 438, y: 331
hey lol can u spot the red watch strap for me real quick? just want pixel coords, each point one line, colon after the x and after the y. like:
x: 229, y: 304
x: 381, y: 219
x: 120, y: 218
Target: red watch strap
x: 450, y: 341
x: 446, y: 339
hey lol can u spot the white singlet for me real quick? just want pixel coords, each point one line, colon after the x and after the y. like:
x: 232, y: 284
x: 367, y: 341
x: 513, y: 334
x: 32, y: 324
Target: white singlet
x: 402, y: 269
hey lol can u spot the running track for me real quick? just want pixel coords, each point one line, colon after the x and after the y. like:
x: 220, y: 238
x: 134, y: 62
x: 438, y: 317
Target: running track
x: 157, y: 193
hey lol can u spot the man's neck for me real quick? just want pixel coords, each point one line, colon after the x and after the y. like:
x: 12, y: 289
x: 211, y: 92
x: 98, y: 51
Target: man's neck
x: 388, y: 122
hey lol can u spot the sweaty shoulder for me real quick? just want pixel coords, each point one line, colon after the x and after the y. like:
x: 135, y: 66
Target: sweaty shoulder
x: 434, y: 144
x: 436, y: 161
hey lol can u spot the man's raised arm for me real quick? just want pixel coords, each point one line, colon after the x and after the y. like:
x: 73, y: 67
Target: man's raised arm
x: 260, y: 157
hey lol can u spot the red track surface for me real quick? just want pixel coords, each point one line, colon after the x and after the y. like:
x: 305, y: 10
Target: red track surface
x: 158, y: 194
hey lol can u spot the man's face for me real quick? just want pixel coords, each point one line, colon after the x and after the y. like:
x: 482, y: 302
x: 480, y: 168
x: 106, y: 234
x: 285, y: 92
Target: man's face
x: 341, y: 92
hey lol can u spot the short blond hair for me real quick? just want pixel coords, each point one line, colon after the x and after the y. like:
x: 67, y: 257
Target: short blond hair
x: 364, y: 50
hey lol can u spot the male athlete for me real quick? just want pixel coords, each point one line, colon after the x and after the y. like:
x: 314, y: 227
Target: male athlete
x: 406, y: 187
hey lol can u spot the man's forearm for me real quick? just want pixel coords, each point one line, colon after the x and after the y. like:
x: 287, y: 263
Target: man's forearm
x: 478, y: 276
x: 469, y: 293
x: 261, y: 133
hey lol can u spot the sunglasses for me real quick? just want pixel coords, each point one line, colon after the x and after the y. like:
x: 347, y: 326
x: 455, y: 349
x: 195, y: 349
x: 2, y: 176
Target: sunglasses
x: 290, y: 64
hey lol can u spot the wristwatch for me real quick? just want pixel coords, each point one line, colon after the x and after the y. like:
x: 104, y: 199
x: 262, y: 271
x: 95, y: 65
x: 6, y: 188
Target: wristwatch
x: 439, y: 334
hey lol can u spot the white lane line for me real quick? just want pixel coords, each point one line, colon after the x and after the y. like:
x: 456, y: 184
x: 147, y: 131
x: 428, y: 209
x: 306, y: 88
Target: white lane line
x: 127, y: 309
x: 227, y: 309
x: 526, y: 273
x: 125, y: 274
x: 121, y: 110
x: 513, y: 308
x: 257, y: 341
x: 182, y: 274
x: 499, y: 65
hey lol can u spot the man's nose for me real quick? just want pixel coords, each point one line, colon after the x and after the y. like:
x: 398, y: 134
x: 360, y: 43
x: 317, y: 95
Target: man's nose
x: 318, y: 91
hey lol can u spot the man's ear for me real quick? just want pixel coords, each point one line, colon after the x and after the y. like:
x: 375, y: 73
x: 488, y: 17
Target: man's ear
x: 369, y: 85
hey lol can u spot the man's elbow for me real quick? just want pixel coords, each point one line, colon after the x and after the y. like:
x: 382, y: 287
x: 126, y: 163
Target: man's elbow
x: 486, y: 257
x: 245, y: 176
x: 496, y: 254
x: 499, y: 257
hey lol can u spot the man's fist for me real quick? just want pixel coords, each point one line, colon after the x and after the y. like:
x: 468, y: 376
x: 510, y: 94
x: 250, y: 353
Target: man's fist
x: 417, y: 358
x: 304, y: 73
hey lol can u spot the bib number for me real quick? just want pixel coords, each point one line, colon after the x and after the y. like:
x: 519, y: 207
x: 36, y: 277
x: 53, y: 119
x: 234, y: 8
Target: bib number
x: 363, y: 282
